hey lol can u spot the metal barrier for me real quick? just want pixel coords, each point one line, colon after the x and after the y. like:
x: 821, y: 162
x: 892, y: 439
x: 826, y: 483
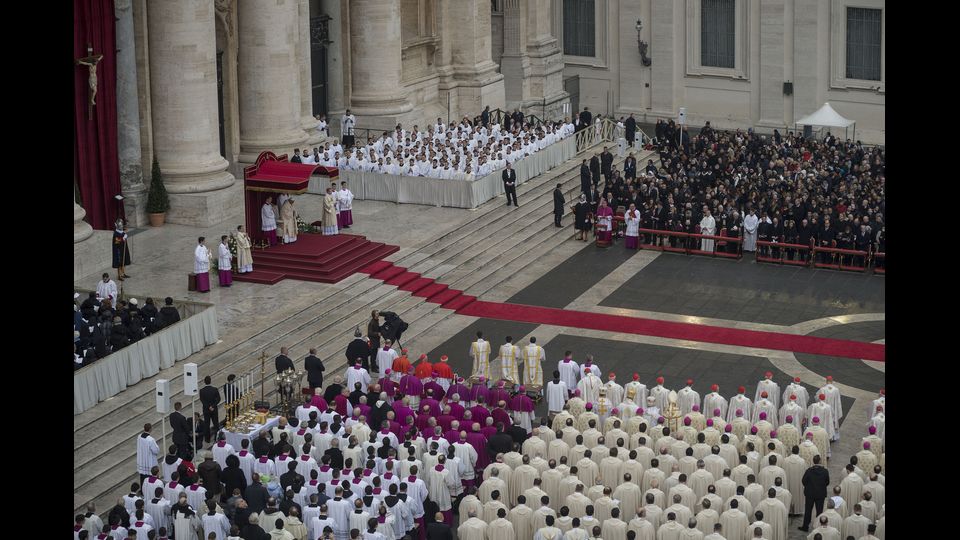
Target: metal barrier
x: 689, y: 244
x: 781, y: 253
x: 883, y: 258
x: 839, y: 256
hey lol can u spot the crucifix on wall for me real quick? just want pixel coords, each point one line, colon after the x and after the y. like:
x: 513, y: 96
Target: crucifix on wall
x: 91, y: 61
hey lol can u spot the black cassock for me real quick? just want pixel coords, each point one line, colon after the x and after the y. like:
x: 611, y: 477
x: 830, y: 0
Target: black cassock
x: 120, y: 249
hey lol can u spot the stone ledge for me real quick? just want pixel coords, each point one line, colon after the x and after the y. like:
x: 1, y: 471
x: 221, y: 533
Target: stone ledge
x: 205, y: 209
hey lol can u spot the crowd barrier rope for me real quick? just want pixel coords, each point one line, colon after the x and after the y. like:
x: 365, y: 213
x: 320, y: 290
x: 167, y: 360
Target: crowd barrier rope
x: 730, y: 247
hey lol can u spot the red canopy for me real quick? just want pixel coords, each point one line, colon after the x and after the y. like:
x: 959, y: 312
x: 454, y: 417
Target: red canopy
x: 271, y: 175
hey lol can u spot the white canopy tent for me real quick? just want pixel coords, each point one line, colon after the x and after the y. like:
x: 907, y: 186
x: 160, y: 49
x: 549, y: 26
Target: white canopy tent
x: 825, y: 116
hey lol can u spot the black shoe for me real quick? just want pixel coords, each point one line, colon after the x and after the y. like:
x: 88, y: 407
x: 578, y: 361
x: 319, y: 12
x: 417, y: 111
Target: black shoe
x: 804, y: 529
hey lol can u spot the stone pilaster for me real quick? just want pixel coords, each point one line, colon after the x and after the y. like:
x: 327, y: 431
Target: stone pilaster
x: 377, y: 96
x: 547, y: 96
x: 269, y: 73
x: 128, y: 118
x: 515, y: 63
x: 183, y: 77
x: 471, y: 73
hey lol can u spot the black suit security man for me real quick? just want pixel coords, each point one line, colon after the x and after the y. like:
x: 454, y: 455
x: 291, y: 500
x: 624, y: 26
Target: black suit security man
x: 585, y: 180
x: 558, y: 202
x: 314, y: 368
x: 815, y: 482
x: 510, y: 184
x: 283, y: 362
x: 181, y: 432
x: 586, y: 118
x: 210, y: 398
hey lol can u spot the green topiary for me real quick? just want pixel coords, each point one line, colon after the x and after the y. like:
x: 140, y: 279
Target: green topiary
x: 158, y: 202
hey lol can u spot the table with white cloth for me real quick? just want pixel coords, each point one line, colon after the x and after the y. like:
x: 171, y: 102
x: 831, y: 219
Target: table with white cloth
x: 447, y: 192
x: 234, y: 438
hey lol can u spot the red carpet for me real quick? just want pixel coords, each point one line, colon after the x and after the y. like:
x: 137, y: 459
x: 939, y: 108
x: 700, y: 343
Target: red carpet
x: 468, y: 305
x: 314, y: 257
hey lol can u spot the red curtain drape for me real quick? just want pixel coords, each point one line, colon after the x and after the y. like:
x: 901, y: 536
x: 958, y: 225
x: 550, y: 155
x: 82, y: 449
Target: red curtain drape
x: 95, y: 148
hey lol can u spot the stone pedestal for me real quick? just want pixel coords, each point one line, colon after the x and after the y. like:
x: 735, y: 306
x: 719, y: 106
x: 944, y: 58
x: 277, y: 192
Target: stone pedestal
x: 128, y: 118
x: 308, y: 122
x: 81, y: 229
x: 183, y: 77
x: 269, y: 78
x: 378, y: 98
x: 335, y: 64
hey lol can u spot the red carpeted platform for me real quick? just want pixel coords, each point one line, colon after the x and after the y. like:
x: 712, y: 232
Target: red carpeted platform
x: 463, y: 304
x: 314, y: 257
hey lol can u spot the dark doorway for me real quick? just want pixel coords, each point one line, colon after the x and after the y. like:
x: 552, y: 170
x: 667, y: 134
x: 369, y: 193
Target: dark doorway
x: 571, y: 85
x: 223, y: 147
x: 319, y: 40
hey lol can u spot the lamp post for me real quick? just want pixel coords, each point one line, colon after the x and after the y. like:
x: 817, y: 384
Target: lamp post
x: 642, y: 45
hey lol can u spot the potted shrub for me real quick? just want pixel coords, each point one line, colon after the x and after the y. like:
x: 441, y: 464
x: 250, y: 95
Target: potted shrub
x: 158, y: 202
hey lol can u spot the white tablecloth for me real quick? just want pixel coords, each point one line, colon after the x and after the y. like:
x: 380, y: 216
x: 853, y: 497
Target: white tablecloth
x: 112, y: 374
x: 233, y: 439
x: 451, y: 193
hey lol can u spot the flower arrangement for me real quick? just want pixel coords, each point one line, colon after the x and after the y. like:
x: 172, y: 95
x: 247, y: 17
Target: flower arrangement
x: 232, y: 245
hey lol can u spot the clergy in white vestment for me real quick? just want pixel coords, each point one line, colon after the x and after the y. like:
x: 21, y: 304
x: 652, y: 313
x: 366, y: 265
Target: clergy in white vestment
x: 613, y: 527
x: 591, y: 365
x: 642, y: 527
x: 772, y: 389
x: 509, y: 358
x: 797, y: 389
x: 214, y: 522
x: 533, y: 358
x: 750, y: 224
x: 691, y: 532
x: 357, y: 374
x: 855, y: 524
x: 734, y: 523
x: 201, y: 265
x: 268, y: 221
x: 687, y: 397
x: 147, y: 454
x: 660, y: 393
x: 289, y: 217
x: 480, y: 353
x: 500, y: 528
x: 614, y: 390
x: 791, y: 407
x: 640, y: 391
x: 825, y: 531
x: 739, y: 402
x: 822, y: 410
x: 440, y: 485
x: 708, y: 225
x: 589, y: 386
x: 385, y: 357
x: 795, y: 467
x: 522, y: 518
x: 549, y: 531
x: 569, y: 371
x: 473, y: 528
x: 557, y: 394
x: 833, y: 399
x: 774, y: 513
x: 107, y: 288
x: 670, y: 529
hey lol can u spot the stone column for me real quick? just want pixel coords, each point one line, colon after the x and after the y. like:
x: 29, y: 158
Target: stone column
x: 515, y: 64
x: 183, y: 83
x: 81, y: 229
x: 270, y: 114
x: 128, y: 118
x: 377, y: 96
x: 308, y: 122
x: 335, y: 102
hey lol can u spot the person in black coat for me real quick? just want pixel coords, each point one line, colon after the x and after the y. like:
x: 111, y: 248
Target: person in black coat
x: 595, y: 170
x: 169, y: 314
x: 485, y: 116
x: 517, y: 433
x: 233, y: 477
x: 499, y: 443
x: 606, y: 164
x: 509, y: 177
x: 181, y: 431
x: 333, y: 390
x: 283, y: 362
x: 314, y: 368
x: 359, y: 348
x: 256, y: 495
x: 558, y: 202
x: 585, y: 179
x: 261, y: 446
x: 210, y: 398
x: 631, y: 129
x: 120, y: 513
x: 815, y: 482
x: 586, y: 118
x: 291, y: 477
x: 438, y: 530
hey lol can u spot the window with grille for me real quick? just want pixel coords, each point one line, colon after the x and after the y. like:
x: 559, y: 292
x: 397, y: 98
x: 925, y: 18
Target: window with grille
x: 718, y: 33
x: 579, y: 28
x: 863, y: 43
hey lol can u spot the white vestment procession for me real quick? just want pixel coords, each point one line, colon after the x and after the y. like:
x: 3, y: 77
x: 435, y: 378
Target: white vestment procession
x: 533, y: 358
x: 201, y: 260
x: 509, y: 359
x: 480, y: 353
x: 708, y: 225
x: 556, y: 396
x: 569, y: 372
